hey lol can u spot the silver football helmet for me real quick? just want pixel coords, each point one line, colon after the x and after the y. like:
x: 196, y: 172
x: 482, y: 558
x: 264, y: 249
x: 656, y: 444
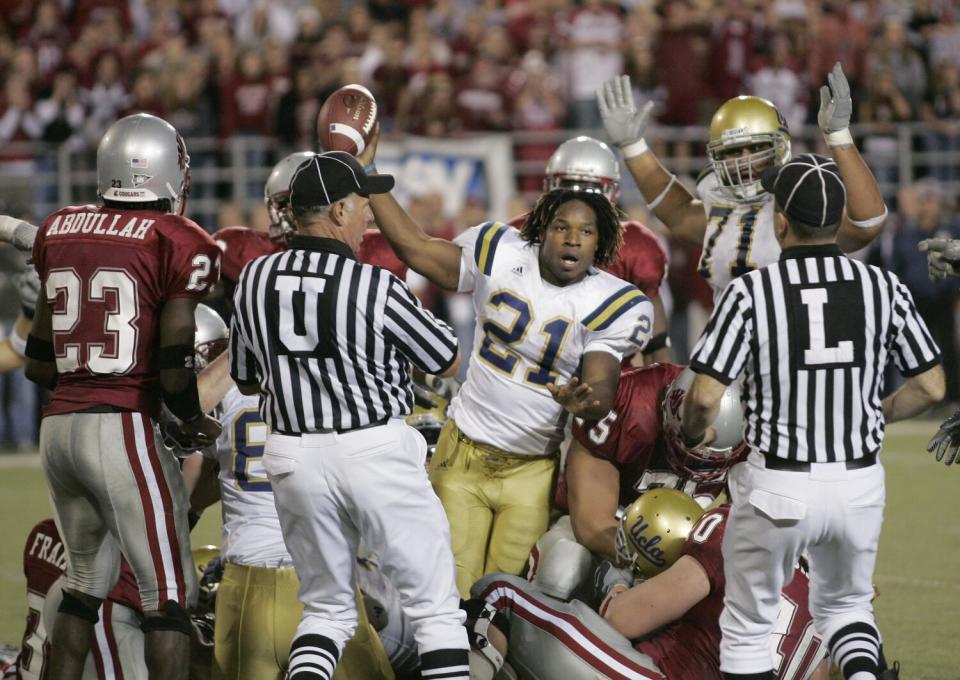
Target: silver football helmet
x: 584, y: 164
x: 706, y: 462
x: 276, y: 194
x: 211, y: 338
x: 141, y: 158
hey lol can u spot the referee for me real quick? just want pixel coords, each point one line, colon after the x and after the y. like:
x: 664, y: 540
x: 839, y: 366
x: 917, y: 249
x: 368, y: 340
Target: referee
x: 328, y: 342
x: 813, y: 334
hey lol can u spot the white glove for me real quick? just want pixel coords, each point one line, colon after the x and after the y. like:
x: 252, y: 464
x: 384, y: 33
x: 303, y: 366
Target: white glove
x: 17, y: 232
x: 943, y: 257
x: 836, y: 107
x: 623, y: 123
x: 28, y: 285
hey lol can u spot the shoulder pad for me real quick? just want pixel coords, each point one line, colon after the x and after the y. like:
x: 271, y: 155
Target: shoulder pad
x: 613, y: 307
x: 706, y: 172
x: 488, y: 239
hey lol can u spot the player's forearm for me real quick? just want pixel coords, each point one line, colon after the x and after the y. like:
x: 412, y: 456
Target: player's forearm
x: 915, y: 396
x: 597, y: 535
x: 668, y: 198
x: 866, y: 210
x: 701, y: 406
x: 214, y: 382
x: 435, y: 258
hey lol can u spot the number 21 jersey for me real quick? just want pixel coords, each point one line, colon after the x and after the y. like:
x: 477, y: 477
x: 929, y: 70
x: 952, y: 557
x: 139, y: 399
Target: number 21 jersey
x: 531, y: 333
x: 106, y: 274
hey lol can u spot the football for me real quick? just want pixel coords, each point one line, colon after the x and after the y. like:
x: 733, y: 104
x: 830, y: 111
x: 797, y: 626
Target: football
x: 346, y: 120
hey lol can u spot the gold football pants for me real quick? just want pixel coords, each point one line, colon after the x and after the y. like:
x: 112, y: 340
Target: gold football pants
x: 257, y: 617
x: 497, y: 503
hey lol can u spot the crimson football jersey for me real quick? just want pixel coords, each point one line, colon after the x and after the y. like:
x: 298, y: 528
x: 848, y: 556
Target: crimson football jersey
x: 45, y: 561
x: 239, y: 246
x: 641, y: 261
x: 631, y: 437
x: 688, y: 649
x: 376, y: 250
x: 107, y: 274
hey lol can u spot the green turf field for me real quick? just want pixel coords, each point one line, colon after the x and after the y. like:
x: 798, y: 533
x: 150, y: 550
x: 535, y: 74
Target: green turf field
x: 917, y: 575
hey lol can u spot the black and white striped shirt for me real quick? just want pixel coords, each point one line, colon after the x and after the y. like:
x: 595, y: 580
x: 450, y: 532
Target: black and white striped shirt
x: 328, y: 339
x: 814, y: 333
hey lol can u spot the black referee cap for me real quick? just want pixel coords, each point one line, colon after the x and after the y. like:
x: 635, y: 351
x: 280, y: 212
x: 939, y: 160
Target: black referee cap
x: 809, y: 189
x: 329, y: 177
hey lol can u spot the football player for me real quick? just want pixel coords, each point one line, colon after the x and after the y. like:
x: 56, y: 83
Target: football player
x: 257, y: 608
x: 587, y: 164
x: 665, y: 627
x: 733, y: 217
x: 611, y: 461
x: 943, y: 257
x: 551, y: 331
x: 113, y: 339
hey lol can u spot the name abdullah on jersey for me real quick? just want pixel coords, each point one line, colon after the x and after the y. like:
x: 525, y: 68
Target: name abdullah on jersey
x: 531, y: 333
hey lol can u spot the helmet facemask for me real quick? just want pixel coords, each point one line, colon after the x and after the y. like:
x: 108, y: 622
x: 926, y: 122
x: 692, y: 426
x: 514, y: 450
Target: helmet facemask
x: 281, y: 224
x: 740, y: 174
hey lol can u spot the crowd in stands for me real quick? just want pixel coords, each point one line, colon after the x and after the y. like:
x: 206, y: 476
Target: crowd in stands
x: 441, y: 68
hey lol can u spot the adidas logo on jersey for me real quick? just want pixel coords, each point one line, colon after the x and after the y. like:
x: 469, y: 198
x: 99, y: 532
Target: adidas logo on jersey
x: 518, y: 270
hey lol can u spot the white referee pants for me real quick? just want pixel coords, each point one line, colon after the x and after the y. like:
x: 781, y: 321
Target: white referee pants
x: 831, y: 513
x: 331, y: 489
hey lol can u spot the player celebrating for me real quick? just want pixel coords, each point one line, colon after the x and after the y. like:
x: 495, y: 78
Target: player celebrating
x: 671, y: 616
x: 547, y: 321
x: 113, y: 334
x: 587, y: 164
x: 733, y: 217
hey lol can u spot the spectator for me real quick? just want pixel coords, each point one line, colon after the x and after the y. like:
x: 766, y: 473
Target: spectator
x: 941, y: 112
x: 884, y: 106
x: 48, y: 37
x: 145, y: 95
x: 935, y: 300
x: 594, y: 34
x: 683, y: 36
x: 62, y: 114
x: 297, y: 109
x: 895, y: 56
x: 245, y: 97
x: 481, y: 101
x: 537, y: 105
x: 389, y: 80
x: 18, y: 123
x: 734, y: 41
x: 106, y: 97
x: 779, y: 78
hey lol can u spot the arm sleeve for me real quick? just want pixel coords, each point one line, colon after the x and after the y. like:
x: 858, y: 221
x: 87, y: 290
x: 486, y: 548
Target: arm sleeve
x: 425, y: 340
x: 621, y: 325
x: 190, y: 261
x: 724, y: 347
x: 243, y: 363
x: 914, y: 350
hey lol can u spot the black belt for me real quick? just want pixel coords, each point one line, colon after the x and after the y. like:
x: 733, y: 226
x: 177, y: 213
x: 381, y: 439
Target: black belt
x: 772, y: 463
x: 105, y: 408
x: 337, y: 430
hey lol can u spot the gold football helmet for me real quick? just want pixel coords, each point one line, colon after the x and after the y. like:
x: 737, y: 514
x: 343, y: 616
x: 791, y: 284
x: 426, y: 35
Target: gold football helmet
x: 657, y: 525
x: 751, y: 123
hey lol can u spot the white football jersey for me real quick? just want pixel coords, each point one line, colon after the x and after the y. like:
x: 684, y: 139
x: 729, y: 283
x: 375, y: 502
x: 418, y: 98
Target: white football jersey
x: 739, y: 235
x: 531, y: 333
x: 251, y: 528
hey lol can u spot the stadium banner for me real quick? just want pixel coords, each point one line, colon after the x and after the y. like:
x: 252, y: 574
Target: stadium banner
x: 473, y: 168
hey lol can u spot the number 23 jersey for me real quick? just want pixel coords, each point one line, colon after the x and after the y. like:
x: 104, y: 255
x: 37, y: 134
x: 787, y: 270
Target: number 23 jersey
x: 531, y: 333
x: 739, y: 236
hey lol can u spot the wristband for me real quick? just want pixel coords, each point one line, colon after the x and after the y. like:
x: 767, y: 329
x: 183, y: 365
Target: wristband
x: 370, y: 168
x: 39, y: 350
x: 652, y: 205
x: 839, y: 138
x: 870, y: 222
x: 175, y: 356
x: 18, y: 344
x: 184, y: 404
x: 634, y: 149
x: 691, y: 442
x: 657, y: 342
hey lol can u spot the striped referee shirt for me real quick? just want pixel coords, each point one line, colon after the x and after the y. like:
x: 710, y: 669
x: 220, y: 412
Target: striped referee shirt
x: 813, y: 334
x: 329, y: 340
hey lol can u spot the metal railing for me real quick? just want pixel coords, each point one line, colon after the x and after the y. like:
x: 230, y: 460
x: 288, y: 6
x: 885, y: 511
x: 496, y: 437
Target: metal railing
x: 40, y: 178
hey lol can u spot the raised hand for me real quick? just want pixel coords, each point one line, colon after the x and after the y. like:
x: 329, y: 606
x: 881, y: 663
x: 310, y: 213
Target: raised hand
x: 623, y: 123
x: 836, y: 105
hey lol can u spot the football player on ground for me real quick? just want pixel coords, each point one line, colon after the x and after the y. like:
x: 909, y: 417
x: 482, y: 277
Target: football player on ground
x: 611, y: 461
x: 733, y: 217
x: 551, y: 332
x: 665, y: 627
x: 113, y: 339
x: 587, y: 164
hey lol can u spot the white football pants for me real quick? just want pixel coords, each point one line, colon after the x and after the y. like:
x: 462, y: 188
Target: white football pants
x: 830, y: 514
x: 331, y: 489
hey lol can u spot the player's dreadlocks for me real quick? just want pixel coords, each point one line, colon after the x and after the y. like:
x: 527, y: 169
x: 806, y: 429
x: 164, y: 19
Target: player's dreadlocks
x: 610, y: 235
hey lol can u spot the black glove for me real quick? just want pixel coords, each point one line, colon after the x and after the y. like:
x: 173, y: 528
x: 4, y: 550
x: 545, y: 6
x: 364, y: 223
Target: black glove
x: 946, y: 442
